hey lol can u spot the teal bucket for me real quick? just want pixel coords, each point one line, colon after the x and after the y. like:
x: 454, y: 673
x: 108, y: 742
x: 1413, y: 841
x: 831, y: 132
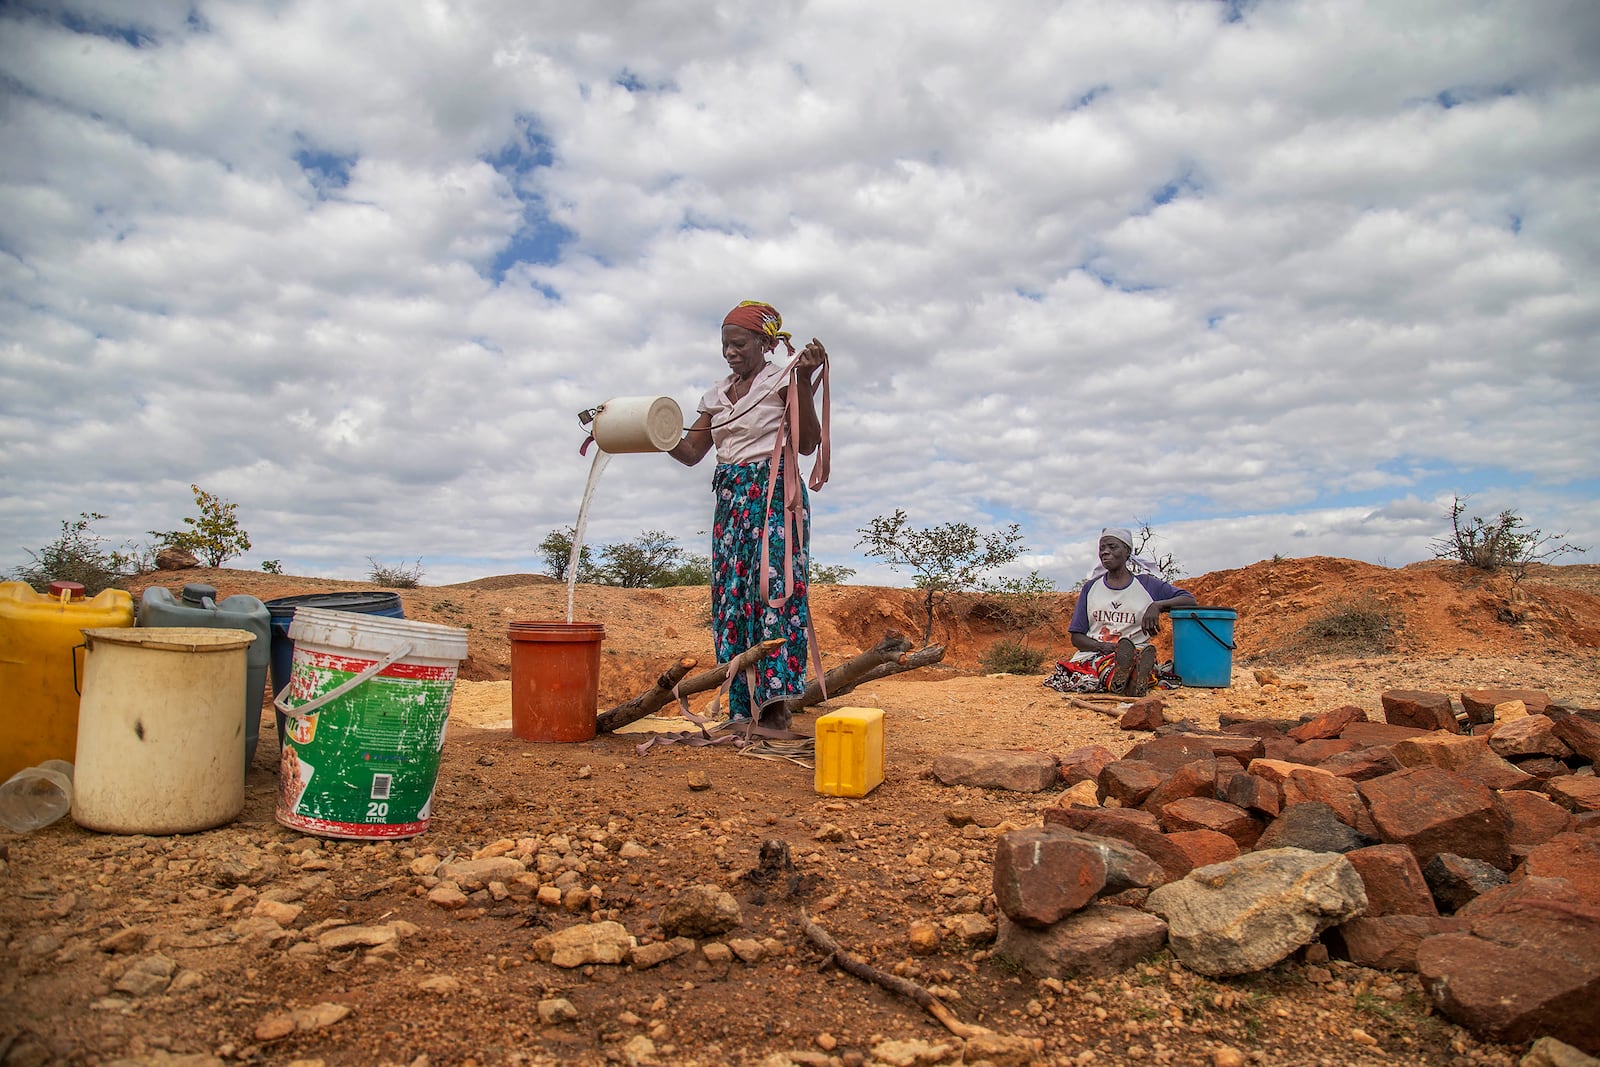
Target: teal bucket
x: 1202, y: 646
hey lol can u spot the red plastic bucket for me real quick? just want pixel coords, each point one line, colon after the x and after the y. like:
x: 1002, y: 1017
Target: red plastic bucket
x: 555, y: 679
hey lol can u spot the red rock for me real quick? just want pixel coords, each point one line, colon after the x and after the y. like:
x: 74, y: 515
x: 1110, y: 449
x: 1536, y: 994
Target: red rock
x: 1431, y: 811
x: 1129, y: 781
x: 1314, y: 752
x: 1019, y: 771
x: 1527, y: 965
x: 1420, y: 709
x: 1581, y: 735
x: 1448, y: 752
x: 1329, y: 724
x: 1340, y: 794
x: 1084, y: 763
x: 1199, y: 813
x: 1497, y: 773
x: 1042, y: 875
x: 1273, y: 770
x: 1393, y: 880
x: 1280, y: 749
x: 1573, y: 856
x: 1479, y: 703
x: 1533, y: 819
x: 1542, y: 767
x: 1531, y: 735
x: 1254, y: 793
x: 1205, y: 847
x: 1361, y: 764
x: 1137, y: 828
x: 1197, y: 779
x: 1143, y: 714
x: 1387, y: 942
x: 1575, y: 792
x: 1379, y: 733
x: 1258, y: 728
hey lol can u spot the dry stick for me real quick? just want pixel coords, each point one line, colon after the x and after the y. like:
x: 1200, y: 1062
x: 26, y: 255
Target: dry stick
x: 655, y: 698
x: 1085, y: 705
x: 848, y: 675
x: 855, y: 965
x: 648, y: 702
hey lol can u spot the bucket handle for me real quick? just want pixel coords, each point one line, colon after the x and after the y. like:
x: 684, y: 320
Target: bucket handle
x: 303, y: 711
x: 1213, y: 636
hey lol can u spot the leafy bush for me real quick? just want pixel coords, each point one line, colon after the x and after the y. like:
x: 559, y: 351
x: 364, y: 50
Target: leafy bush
x: 830, y: 573
x: 944, y: 559
x: 272, y: 566
x: 694, y: 570
x: 214, y: 535
x: 557, y: 550
x: 1504, y: 541
x: 641, y: 564
x: 398, y: 576
x: 78, y: 556
x: 1351, y: 626
x: 1022, y: 605
x: 1010, y: 656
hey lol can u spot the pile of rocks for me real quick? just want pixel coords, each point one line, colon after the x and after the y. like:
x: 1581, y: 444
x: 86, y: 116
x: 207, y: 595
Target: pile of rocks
x: 1464, y: 846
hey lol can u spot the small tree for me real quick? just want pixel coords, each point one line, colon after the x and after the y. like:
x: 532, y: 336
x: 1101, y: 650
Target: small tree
x: 1506, y: 541
x: 78, y: 556
x: 214, y: 535
x: 557, y: 550
x: 1167, y: 566
x: 694, y: 570
x: 830, y: 573
x: 640, y: 564
x: 944, y: 559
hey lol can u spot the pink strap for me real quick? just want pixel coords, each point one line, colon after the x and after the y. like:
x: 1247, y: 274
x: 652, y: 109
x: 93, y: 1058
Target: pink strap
x: 786, y: 452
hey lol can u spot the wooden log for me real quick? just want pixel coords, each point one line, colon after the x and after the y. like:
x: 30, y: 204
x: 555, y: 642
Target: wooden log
x: 656, y: 697
x: 892, y: 649
x: 647, y: 703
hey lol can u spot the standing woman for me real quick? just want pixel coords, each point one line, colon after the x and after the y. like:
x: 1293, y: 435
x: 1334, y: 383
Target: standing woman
x: 759, y: 417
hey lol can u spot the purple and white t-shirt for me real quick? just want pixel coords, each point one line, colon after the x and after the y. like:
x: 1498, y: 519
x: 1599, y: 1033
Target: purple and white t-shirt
x: 1107, y: 614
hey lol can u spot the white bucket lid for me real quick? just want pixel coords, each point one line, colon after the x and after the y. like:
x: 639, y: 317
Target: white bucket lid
x: 358, y: 631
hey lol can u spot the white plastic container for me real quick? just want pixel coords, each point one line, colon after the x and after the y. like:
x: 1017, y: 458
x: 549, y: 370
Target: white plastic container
x: 160, y: 738
x: 35, y: 797
x: 637, y: 424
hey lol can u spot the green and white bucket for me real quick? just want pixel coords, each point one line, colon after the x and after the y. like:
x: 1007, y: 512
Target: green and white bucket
x: 367, y: 703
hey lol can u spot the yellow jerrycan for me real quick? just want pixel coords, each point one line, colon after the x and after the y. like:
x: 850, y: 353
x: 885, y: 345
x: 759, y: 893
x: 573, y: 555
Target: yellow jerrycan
x: 41, y: 665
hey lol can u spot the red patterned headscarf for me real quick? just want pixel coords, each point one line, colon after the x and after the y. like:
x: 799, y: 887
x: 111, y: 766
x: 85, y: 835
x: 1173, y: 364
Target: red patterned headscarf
x: 761, y: 318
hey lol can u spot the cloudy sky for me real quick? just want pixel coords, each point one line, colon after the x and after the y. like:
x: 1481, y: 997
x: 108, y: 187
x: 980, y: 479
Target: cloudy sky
x: 1275, y: 277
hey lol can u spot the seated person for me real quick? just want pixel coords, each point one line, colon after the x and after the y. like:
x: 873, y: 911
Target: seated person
x: 1117, y: 614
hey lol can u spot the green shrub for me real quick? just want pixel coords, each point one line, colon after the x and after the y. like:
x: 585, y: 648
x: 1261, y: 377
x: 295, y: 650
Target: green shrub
x: 78, y: 555
x: 1007, y: 656
x: 398, y: 576
x: 214, y: 535
x: 1504, y: 541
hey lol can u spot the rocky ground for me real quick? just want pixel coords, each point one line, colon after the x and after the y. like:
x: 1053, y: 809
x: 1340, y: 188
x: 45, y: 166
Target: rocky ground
x: 252, y: 943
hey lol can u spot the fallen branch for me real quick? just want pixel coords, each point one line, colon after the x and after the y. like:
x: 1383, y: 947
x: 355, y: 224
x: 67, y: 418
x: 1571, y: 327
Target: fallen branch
x: 648, y: 702
x: 657, y: 697
x: 922, y: 657
x: 893, y: 649
x: 1113, y: 711
x: 852, y: 964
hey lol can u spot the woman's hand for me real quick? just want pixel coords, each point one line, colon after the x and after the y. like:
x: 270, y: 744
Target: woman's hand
x: 1151, y: 621
x: 812, y: 356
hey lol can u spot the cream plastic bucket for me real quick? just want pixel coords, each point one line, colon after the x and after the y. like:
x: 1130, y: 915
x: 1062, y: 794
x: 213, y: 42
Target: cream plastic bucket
x: 160, y: 737
x: 637, y: 424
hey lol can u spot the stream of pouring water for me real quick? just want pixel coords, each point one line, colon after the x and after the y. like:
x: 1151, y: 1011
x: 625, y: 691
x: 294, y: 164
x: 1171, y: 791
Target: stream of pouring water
x: 601, y: 458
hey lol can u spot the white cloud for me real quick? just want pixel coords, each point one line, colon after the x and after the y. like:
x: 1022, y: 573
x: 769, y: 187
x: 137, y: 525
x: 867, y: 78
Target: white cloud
x: 1279, y: 285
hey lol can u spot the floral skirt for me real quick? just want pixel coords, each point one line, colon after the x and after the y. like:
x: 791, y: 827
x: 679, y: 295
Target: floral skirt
x: 740, y: 614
